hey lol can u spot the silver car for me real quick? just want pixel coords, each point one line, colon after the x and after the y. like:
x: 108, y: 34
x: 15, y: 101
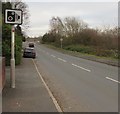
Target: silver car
x: 29, y: 53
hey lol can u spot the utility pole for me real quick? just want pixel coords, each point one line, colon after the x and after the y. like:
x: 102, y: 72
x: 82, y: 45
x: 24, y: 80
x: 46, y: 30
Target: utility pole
x: 12, y: 70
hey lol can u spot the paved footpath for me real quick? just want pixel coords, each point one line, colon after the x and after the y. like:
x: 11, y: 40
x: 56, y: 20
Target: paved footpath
x: 30, y: 94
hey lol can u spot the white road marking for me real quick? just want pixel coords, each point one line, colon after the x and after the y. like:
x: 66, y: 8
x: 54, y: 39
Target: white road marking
x: 112, y: 80
x: 62, y: 60
x: 49, y: 92
x: 53, y: 56
x: 81, y: 67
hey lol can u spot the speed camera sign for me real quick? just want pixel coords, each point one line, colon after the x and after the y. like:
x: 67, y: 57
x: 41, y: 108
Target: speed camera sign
x: 13, y: 16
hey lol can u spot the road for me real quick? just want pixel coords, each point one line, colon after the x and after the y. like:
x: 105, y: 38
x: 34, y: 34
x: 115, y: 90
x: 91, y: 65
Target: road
x: 79, y: 85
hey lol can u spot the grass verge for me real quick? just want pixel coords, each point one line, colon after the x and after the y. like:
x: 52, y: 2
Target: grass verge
x: 107, y: 60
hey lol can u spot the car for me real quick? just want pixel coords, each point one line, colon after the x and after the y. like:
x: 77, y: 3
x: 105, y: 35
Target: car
x: 29, y: 52
x: 31, y: 44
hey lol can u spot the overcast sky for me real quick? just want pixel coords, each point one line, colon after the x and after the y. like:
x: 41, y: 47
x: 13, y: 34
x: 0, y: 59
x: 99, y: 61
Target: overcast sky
x: 96, y: 14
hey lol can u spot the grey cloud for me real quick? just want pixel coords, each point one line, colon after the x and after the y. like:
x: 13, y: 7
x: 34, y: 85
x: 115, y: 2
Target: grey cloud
x: 96, y: 13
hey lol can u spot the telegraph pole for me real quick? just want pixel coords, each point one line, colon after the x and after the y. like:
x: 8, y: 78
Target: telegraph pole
x: 12, y: 70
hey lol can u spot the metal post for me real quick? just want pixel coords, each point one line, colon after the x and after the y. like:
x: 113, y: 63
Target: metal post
x: 61, y: 40
x: 12, y: 59
x: 61, y: 43
x: 12, y: 73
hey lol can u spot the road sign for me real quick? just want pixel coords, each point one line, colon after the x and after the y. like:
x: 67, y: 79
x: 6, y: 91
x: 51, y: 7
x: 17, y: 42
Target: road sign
x: 13, y: 16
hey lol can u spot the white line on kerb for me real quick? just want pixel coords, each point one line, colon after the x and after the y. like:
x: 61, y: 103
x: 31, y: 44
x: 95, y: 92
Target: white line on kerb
x: 53, y: 56
x: 62, y: 60
x: 49, y: 92
x: 112, y: 80
x: 81, y: 67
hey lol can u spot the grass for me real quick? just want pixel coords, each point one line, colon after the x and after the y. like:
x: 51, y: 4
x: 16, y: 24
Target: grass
x: 92, y: 51
x: 108, y: 60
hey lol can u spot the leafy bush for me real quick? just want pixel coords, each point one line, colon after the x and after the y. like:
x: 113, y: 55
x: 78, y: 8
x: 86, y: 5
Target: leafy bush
x: 6, y: 42
x: 105, y: 53
x: 6, y: 49
x: 18, y: 48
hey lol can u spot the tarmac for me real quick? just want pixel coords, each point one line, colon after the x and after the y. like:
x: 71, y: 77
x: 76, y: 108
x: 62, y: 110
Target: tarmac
x: 30, y: 94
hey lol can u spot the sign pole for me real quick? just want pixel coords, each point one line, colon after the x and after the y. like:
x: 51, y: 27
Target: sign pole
x: 61, y: 40
x: 61, y: 44
x: 12, y: 74
x: 13, y: 16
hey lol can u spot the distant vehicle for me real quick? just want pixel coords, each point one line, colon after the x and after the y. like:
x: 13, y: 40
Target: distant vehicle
x: 29, y: 52
x: 31, y: 44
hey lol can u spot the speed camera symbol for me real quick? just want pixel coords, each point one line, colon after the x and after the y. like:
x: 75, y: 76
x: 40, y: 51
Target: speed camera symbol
x: 11, y: 16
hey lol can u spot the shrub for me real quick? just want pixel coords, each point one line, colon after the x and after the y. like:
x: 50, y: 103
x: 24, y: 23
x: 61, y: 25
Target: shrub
x: 18, y: 48
x: 93, y: 50
x: 80, y: 48
x: 105, y: 53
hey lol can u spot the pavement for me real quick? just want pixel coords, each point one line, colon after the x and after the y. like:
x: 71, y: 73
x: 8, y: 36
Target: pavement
x: 30, y: 94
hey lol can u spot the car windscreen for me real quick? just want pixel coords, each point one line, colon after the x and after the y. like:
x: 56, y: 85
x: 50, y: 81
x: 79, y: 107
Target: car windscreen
x: 31, y: 44
x: 28, y: 50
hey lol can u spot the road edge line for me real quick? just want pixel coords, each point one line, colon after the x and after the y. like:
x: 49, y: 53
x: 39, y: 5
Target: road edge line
x: 49, y: 92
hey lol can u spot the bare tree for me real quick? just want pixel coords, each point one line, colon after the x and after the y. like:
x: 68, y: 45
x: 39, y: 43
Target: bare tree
x: 69, y: 26
x: 56, y: 25
x: 24, y: 7
x: 73, y: 25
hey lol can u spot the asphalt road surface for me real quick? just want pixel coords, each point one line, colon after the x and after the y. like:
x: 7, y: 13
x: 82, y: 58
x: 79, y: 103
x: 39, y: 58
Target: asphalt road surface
x: 79, y: 85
